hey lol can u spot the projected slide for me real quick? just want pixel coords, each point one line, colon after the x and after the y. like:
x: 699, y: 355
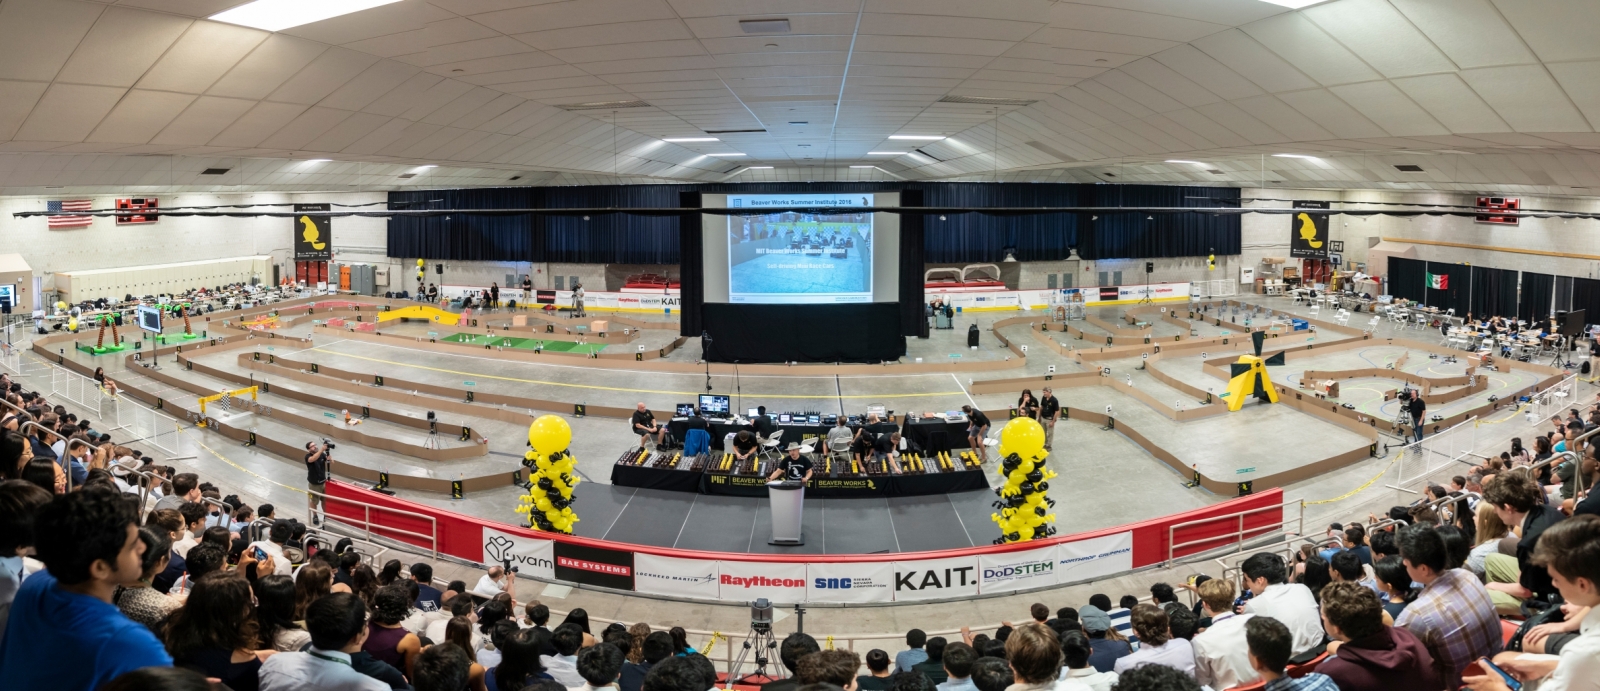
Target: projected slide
x: 798, y: 258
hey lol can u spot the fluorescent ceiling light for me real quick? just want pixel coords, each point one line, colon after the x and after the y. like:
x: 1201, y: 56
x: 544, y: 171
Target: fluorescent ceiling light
x: 1308, y: 158
x: 724, y: 154
x: 759, y: 168
x: 1191, y: 162
x: 886, y: 153
x: 917, y: 137
x: 277, y: 15
x: 676, y: 140
x: 1294, y: 4
x: 319, y: 160
x: 863, y: 166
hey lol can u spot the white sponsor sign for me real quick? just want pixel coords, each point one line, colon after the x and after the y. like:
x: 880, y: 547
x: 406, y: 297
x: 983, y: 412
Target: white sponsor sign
x: 741, y: 581
x: 1098, y: 557
x: 660, y: 575
x: 531, y: 556
x: 849, y: 582
x: 1034, y: 568
x: 935, y: 579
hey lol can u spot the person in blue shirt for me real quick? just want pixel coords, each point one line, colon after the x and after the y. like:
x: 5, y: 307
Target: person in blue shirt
x: 89, y: 542
x: 913, y: 654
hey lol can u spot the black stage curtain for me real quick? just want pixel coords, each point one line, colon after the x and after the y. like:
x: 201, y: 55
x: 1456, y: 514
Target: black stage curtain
x: 1138, y: 235
x: 1586, y: 297
x: 1406, y: 279
x: 464, y: 237
x: 1459, y: 293
x: 912, y: 321
x: 1537, y: 290
x: 1494, y: 292
x: 610, y: 238
x: 804, y: 333
x: 691, y: 268
x: 980, y: 237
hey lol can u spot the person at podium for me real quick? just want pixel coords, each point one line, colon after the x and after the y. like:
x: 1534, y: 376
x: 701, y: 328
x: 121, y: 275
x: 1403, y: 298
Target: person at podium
x: 793, y: 467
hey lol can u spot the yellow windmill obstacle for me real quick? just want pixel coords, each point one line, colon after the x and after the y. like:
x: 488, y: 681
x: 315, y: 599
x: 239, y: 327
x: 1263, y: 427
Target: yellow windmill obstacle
x: 226, y: 395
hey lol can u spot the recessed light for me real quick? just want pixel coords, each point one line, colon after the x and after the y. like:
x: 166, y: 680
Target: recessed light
x: 1189, y: 162
x: 1308, y: 158
x: 724, y: 154
x: 863, y: 166
x: 277, y: 15
x: 764, y: 26
x: 760, y: 168
x: 1101, y: 60
x: 678, y: 140
x: 1294, y: 4
x: 799, y: 122
x: 458, y: 69
x: 917, y: 137
x: 319, y: 160
x: 772, y: 45
x: 886, y: 153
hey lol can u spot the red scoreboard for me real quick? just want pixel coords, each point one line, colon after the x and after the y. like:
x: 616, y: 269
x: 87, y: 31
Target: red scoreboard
x: 1499, y: 204
x: 145, y: 205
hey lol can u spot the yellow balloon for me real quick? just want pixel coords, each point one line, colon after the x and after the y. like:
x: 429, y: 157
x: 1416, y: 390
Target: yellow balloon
x: 552, y: 514
x: 550, y: 433
x: 419, y: 262
x: 542, y: 462
x: 1023, y: 436
x: 1024, y: 532
x: 72, y: 324
x: 543, y: 504
x: 61, y: 304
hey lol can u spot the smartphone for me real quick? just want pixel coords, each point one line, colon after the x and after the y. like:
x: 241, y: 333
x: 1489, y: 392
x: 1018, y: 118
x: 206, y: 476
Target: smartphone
x: 1511, y: 682
x: 260, y: 554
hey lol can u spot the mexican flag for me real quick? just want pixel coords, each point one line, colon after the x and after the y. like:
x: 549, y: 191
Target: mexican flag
x: 1438, y: 281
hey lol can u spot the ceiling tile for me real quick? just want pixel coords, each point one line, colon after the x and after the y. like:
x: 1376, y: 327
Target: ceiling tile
x: 69, y: 112
x: 38, y: 36
x: 378, y: 137
x: 255, y: 126
x: 1120, y: 21
x: 1454, y: 104
x: 563, y: 15
x: 381, y: 78
x: 305, y: 127
x: 403, y: 97
x: 1556, y: 30
x: 1387, y: 106
x: 204, y: 53
x: 651, y: 49
x: 1381, y: 36
x: 121, y: 46
x: 347, y: 132
x: 1147, y: 96
x: 1581, y: 81
x: 17, y: 99
x: 1241, y: 123
x: 140, y: 116
x: 1471, y: 32
x: 1527, y: 98
x: 1333, y: 114
x: 324, y: 76
x: 379, y: 21
x: 1243, y: 55
x: 203, y: 120
x: 1279, y: 116
x: 1293, y: 37
x: 267, y: 67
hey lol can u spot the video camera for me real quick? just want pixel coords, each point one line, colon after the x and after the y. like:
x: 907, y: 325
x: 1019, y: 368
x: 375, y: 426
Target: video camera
x: 327, y: 444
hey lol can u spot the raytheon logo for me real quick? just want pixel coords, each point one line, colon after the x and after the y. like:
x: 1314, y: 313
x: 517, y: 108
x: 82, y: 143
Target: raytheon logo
x: 762, y: 582
x: 933, y: 579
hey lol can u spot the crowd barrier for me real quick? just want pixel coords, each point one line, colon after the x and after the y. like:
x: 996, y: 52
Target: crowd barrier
x: 814, y: 578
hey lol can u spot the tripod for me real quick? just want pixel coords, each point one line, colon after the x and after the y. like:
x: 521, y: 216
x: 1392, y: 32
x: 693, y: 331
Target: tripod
x: 761, y: 640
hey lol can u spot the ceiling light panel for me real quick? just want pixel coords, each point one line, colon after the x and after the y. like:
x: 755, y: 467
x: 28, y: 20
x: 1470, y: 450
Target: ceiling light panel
x: 1294, y: 4
x: 764, y: 26
x: 277, y: 15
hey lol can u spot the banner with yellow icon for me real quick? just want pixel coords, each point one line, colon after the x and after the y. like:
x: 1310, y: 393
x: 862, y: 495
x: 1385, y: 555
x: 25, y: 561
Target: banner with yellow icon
x: 1308, y: 238
x: 313, y: 233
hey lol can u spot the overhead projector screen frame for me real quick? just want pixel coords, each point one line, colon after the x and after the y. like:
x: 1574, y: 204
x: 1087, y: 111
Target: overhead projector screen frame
x: 885, y: 248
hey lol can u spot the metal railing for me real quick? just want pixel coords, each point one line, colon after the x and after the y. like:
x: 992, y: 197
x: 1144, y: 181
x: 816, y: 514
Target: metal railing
x: 77, y: 388
x: 1555, y: 399
x: 1240, y: 533
x: 370, y: 551
x: 1288, y: 546
x: 1435, y: 452
x: 146, y: 425
x: 382, y: 531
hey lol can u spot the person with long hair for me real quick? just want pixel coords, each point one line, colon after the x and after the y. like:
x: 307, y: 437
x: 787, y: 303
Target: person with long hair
x: 1316, y: 574
x: 140, y: 602
x: 1027, y: 405
x: 580, y: 617
x: 680, y: 642
x: 14, y: 454
x: 363, y: 582
x: 314, y: 581
x: 1489, y: 530
x: 492, y: 613
x: 1519, y: 455
x: 387, y: 640
x: 391, y: 571
x: 1395, y: 582
x: 459, y: 632
x: 636, y: 635
x: 215, y: 632
x: 276, y: 599
x: 519, y: 662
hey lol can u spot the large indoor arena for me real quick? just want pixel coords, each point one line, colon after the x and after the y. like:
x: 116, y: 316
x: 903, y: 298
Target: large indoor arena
x: 673, y: 345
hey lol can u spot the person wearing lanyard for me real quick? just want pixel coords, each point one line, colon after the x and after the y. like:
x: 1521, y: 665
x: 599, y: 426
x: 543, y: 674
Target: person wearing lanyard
x: 338, y: 626
x: 1221, y: 653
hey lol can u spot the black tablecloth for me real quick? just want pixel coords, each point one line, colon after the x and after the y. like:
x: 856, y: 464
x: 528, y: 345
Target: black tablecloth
x: 679, y: 427
x: 655, y: 478
x: 852, y: 486
x: 924, y: 433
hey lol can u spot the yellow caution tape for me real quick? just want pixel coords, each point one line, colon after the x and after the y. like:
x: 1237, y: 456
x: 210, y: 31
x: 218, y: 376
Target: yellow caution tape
x: 1363, y: 486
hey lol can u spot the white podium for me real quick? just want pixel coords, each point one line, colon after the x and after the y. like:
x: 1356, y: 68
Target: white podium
x: 788, y: 503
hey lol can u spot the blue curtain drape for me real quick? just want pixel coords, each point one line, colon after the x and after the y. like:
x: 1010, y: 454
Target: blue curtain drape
x: 463, y: 236
x: 1494, y: 292
x: 1586, y: 297
x: 1406, y: 278
x: 978, y: 236
x: 1138, y: 235
x: 1537, y: 291
x: 615, y: 238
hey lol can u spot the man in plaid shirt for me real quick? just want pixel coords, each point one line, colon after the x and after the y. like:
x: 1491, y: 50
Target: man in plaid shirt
x: 1453, y: 615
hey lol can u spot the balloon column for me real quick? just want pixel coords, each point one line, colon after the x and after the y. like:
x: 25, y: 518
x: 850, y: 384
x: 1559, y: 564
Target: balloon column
x: 548, y: 504
x: 422, y: 273
x: 1024, y: 508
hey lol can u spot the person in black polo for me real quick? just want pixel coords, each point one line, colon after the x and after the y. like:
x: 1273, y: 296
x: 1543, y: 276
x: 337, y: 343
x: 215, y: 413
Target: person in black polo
x: 977, y: 429
x: 317, y: 461
x: 1417, y: 408
x: 763, y: 424
x: 793, y: 467
x: 1049, y: 412
x: 644, y: 425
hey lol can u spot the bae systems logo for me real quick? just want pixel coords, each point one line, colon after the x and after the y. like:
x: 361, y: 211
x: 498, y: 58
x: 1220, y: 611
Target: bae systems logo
x: 762, y: 582
x: 934, y: 579
x: 594, y: 566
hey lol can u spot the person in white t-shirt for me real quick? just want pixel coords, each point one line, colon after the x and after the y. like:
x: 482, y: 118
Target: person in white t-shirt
x: 1221, y: 653
x: 273, y: 545
x: 1292, y: 604
x: 492, y: 583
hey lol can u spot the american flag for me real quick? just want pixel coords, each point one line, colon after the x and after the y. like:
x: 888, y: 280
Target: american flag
x: 69, y: 221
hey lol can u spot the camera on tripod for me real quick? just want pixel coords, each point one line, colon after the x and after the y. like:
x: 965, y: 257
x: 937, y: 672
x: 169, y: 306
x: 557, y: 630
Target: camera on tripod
x: 761, y: 615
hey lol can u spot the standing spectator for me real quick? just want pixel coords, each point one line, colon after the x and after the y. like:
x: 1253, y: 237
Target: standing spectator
x: 837, y: 667
x: 1221, y: 654
x: 1049, y: 412
x: 1291, y: 604
x: 494, y: 295
x: 977, y: 430
x: 215, y: 632
x: 877, y: 676
x: 1367, y: 655
x: 1418, y: 408
x: 338, y: 627
x: 1105, y: 642
x: 1027, y: 405
x: 1156, y: 644
x: 1453, y: 615
x: 957, y: 659
x: 318, y: 458
x: 1035, y: 657
x: 1076, y: 674
x: 141, y: 602
x: 1271, y: 646
x: 913, y: 655
x: 89, y: 542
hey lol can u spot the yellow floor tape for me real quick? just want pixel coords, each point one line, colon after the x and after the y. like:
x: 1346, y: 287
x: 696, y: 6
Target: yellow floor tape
x: 1363, y: 486
x: 244, y: 469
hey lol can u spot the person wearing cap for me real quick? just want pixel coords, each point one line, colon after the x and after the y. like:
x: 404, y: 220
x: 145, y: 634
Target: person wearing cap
x: 794, y: 467
x: 1106, y: 648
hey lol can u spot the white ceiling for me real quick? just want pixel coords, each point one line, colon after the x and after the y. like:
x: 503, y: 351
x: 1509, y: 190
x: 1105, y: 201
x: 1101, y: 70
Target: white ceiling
x: 1482, y: 94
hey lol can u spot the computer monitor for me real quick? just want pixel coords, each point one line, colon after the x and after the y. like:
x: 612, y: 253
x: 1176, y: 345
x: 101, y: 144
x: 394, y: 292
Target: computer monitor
x: 685, y: 410
x: 714, y: 405
x: 814, y: 419
x: 752, y: 412
x: 783, y: 418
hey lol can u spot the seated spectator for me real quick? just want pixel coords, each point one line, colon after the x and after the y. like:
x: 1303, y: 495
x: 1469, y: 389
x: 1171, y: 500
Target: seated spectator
x: 1076, y: 674
x: 1156, y: 644
x: 1156, y: 678
x: 1355, y: 541
x: 1489, y: 531
x: 680, y: 642
x: 794, y: 647
x: 933, y: 667
x: 275, y: 615
x: 957, y: 659
x: 428, y: 597
x: 1221, y: 655
x: 1345, y: 566
x: 1394, y: 585
x: 577, y: 616
x: 1271, y: 645
x: 458, y: 633
x: 442, y: 667
x: 20, y: 502
x: 913, y: 655
x: 311, y: 583
x: 215, y: 632
x: 204, y: 559
x: 992, y: 674
x: 1122, y: 617
x: 1181, y: 621
x: 1518, y: 502
x: 675, y: 674
x: 139, y: 601
x: 1570, y: 553
x: 1107, y: 644
x: 277, y: 537
x: 601, y: 665
x: 1452, y: 615
x: 489, y: 656
x: 877, y: 676
x: 563, y: 666
x: 1035, y: 657
x: 1368, y: 655
x: 185, y: 488
x: 836, y: 667
x: 1292, y: 604
x: 458, y: 606
x: 171, y: 523
x: 491, y: 583
x: 89, y: 542
x: 658, y: 646
x: 387, y: 641
x: 519, y: 662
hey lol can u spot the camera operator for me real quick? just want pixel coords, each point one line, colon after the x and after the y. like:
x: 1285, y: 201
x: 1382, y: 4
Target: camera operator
x: 1417, y: 407
x: 318, y: 457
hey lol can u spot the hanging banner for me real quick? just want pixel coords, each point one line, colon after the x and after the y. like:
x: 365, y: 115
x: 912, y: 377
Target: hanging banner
x: 1034, y: 568
x: 849, y: 582
x: 607, y: 568
x: 935, y: 579
x: 1308, y: 235
x: 744, y: 581
x: 1098, y: 557
x: 313, y: 235
x: 530, y: 556
x: 660, y: 575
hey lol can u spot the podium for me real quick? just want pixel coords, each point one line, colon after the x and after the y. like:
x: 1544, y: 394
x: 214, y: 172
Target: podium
x: 788, y: 502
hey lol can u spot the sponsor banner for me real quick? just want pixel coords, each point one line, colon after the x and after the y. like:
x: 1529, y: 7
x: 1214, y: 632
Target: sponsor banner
x: 607, y: 568
x: 1132, y: 294
x: 849, y: 582
x: 935, y: 579
x: 742, y: 581
x: 313, y: 235
x: 1098, y: 557
x: 660, y: 575
x: 1034, y: 568
x: 1308, y: 231
x: 531, y: 556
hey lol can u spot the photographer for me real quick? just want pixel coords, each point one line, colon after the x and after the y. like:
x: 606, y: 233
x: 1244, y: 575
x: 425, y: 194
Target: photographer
x: 318, y: 457
x: 1417, y: 407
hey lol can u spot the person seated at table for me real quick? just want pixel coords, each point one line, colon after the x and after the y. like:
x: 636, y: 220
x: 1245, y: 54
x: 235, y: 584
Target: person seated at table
x: 697, y: 421
x: 744, y: 446
x: 840, y: 437
x: 644, y: 425
x: 763, y: 425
